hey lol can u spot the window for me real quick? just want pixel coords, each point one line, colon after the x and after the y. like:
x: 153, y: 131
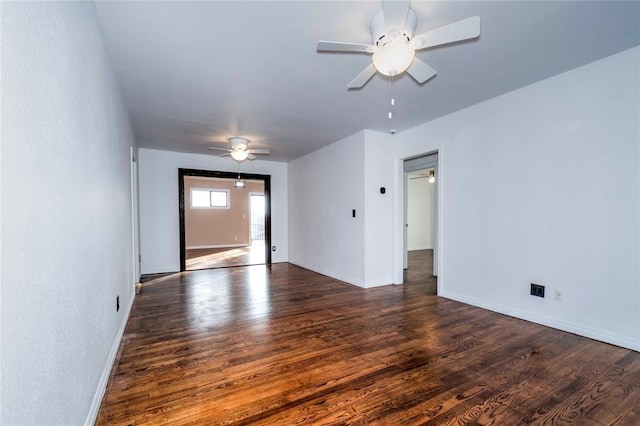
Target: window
x: 209, y: 198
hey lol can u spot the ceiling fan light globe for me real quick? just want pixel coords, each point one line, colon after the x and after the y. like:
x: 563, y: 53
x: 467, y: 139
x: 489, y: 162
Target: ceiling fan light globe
x: 239, y: 155
x: 393, y: 58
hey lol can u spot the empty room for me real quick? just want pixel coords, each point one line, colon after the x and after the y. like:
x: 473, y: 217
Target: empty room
x: 320, y: 212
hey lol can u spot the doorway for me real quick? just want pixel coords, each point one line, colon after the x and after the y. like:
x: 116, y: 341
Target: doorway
x: 135, y: 219
x: 222, y: 225
x: 420, y: 221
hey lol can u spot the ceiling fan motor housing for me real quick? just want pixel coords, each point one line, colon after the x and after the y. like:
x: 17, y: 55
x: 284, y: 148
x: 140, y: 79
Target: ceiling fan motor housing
x: 239, y: 143
x: 382, y: 37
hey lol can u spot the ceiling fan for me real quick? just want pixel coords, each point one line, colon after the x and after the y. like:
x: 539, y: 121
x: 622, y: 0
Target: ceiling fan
x: 394, y: 45
x: 240, y: 151
x: 431, y: 176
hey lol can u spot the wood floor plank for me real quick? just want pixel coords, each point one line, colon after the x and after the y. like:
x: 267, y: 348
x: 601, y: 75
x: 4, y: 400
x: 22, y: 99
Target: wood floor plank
x: 282, y: 345
x: 224, y: 257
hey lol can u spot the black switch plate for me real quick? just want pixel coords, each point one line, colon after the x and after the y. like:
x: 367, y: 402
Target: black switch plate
x: 353, y: 213
x: 537, y: 290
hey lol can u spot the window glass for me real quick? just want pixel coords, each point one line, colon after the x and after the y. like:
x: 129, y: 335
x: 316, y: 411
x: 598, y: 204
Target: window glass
x: 200, y: 198
x: 219, y: 199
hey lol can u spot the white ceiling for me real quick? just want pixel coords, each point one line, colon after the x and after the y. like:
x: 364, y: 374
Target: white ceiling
x: 194, y: 74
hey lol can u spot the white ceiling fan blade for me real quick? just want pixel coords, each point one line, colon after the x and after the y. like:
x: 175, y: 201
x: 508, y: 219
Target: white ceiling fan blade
x: 395, y: 14
x: 363, y: 77
x: 259, y: 151
x: 251, y: 157
x: 225, y: 155
x: 461, y: 30
x: 420, y: 71
x: 338, y: 46
x: 218, y: 149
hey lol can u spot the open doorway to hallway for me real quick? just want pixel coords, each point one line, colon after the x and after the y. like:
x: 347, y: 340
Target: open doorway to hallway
x: 221, y: 224
x: 420, y: 236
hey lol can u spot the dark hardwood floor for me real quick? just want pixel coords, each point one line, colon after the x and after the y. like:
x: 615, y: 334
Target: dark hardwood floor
x: 420, y: 270
x: 284, y: 346
x: 224, y: 257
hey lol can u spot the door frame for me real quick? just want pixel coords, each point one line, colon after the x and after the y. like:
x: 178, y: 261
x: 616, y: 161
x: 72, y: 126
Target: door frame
x: 266, y: 179
x: 426, y: 160
x: 135, y: 218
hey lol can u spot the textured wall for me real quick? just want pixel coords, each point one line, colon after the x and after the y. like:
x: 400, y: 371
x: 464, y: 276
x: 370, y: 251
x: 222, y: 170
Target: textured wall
x: 324, y: 187
x: 378, y: 208
x: 541, y: 185
x: 66, y: 212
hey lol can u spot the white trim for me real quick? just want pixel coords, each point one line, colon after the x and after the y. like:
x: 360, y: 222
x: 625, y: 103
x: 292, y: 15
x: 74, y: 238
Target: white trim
x: 217, y: 246
x: 571, y: 327
x: 399, y: 218
x: 399, y: 222
x: 331, y: 274
x: 135, y: 222
x: 160, y: 270
x: 106, y: 372
x: 439, y: 197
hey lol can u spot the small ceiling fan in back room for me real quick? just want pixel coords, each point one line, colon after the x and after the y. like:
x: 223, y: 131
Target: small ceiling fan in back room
x: 394, y: 45
x: 239, y: 150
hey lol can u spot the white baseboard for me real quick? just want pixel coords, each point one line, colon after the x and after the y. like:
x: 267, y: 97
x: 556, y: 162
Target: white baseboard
x: 161, y: 270
x: 218, y: 246
x: 331, y: 274
x: 571, y: 327
x: 106, y: 372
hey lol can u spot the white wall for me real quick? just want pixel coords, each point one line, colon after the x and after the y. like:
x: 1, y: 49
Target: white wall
x: 420, y: 202
x: 159, y: 225
x: 542, y: 185
x: 324, y: 187
x: 66, y: 213
x: 378, y: 238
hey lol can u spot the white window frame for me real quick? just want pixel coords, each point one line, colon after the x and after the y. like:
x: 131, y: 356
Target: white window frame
x: 210, y: 190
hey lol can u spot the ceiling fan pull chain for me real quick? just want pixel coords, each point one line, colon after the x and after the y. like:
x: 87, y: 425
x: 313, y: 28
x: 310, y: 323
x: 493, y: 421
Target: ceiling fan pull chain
x: 393, y: 101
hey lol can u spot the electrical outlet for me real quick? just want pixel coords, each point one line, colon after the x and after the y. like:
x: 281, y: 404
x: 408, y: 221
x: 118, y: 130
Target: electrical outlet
x: 118, y: 303
x: 557, y: 295
x: 537, y: 290
x: 273, y: 248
